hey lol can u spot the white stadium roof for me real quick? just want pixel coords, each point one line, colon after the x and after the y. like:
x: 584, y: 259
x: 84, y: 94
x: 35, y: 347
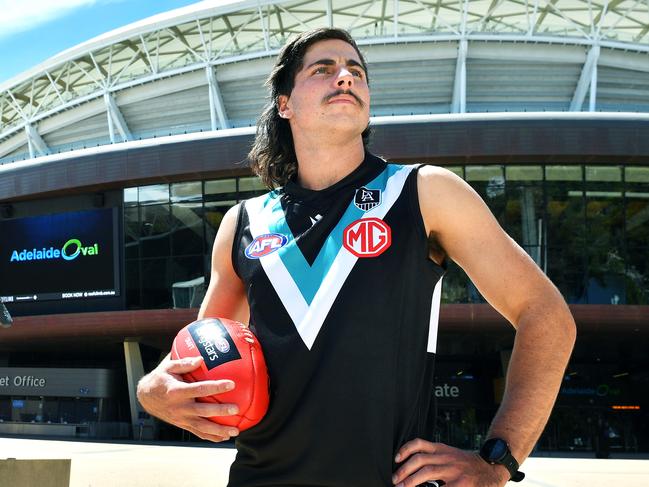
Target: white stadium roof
x: 201, y: 68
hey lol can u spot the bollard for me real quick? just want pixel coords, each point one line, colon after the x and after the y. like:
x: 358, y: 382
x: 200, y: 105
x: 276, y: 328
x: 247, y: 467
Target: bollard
x: 31, y: 473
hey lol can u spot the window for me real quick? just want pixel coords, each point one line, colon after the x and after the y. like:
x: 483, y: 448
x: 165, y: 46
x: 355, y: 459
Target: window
x: 157, y: 193
x: 587, y: 227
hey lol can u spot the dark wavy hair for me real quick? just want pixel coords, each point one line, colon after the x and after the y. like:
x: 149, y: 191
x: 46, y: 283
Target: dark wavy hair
x: 272, y: 156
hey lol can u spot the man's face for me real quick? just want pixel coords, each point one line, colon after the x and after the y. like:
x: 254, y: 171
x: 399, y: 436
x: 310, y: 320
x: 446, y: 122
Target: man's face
x: 330, y: 94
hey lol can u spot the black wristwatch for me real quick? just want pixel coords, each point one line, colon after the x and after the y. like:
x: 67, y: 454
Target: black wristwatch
x: 496, y: 452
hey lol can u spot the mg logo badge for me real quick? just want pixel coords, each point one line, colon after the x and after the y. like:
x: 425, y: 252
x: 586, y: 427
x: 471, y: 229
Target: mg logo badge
x: 367, y: 237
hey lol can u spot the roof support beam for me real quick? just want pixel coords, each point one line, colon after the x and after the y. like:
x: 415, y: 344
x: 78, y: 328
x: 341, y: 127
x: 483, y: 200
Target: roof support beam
x: 541, y: 18
x: 465, y: 14
x: 438, y: 20
x: 531, y: 21
x: 217, y: 108
x: 16, y: 106
x: 588, y: 79
x: 458, y: 104
x: 383, y: 7
x: 487, y: 16
x: 361, y: 15
x: 330, y: 14
x: 206, y: 47
x: 116, y: 120
x: 264, y: 28
x: 611, y: 29
x: 21, y: 97
x: 233, y: 35
x: 90, y: 61
x: 140, y: 51
x: 433, y: 25
x: 35, y: 142
x: 181, y: 37
x: 592, y: 102
x: 279, y: 22
x: 154, y: 67
x: 641, y: 34
x: 580, y: 26
x: 608, y: 6
x: 395, y: 18
x: 58, y: 93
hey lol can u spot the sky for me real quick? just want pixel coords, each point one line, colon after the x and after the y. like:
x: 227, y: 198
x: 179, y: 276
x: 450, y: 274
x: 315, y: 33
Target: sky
x: 32, y: 31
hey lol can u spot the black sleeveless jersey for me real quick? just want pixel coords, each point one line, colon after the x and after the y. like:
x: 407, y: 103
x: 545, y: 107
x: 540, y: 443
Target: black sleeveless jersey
x: 345, y: 303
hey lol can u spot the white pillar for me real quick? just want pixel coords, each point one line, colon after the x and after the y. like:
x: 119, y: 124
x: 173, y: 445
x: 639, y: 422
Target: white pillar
x: 116, y: 119
x: 142, y: 423
x: 592, y: 102
x: 35, y: 142
x: 458, y: 104
x: 586, y: 79
x: 217, y: 109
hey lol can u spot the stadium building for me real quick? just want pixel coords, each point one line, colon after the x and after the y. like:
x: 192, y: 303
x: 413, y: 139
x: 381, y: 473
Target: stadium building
x: 119, y: 157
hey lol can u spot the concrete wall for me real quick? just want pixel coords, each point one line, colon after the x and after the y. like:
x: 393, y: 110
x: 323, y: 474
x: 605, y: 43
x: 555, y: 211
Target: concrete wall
x: 31, y: 473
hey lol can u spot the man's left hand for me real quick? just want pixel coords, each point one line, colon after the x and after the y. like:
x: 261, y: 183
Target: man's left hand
x: 423, y: 461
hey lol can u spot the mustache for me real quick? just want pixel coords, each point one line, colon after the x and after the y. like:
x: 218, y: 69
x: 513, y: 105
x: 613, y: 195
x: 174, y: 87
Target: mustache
x: 344, y: 92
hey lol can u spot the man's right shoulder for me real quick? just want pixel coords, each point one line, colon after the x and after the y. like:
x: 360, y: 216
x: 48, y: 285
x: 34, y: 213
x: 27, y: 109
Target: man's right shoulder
x: 232, y: 216
x: 257, y: 203
x: 228, y: 224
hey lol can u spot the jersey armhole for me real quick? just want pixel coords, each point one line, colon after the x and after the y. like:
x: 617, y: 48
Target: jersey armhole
x: 236, y: 239
x: 419, y: 218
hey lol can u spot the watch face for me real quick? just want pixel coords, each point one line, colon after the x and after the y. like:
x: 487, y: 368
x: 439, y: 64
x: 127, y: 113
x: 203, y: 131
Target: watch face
x: 495, y: 449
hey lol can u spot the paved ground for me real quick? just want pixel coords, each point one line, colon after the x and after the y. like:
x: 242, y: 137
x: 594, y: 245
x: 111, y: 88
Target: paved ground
x: 131, y: 465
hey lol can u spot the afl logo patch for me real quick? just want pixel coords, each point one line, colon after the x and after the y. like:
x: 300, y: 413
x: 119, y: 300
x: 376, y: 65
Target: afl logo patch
x: 265, y: 244
x: 222, y: 345
x: 367, y: 237
x: 366, y: 199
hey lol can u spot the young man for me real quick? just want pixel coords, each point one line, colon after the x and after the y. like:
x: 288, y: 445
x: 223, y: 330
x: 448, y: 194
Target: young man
x: 346, y: 309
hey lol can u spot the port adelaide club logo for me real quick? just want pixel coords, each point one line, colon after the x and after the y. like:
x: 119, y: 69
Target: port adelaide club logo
x: 265, y: 244
x: 366, y: 199
x: 367, y: 237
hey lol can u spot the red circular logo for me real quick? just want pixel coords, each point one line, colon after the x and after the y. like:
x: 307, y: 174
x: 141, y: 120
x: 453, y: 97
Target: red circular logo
x: 367, y: 237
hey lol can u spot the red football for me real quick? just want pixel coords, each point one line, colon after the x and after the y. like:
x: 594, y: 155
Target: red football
x: 230, y: 351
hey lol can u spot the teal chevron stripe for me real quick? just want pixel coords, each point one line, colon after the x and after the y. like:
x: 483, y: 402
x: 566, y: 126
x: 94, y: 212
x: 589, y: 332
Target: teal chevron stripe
x: 308, y: 278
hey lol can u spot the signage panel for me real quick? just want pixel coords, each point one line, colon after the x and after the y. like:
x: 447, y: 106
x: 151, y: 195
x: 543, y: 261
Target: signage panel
x: 60, y: 257
x: 56, y: 382
x: 457, y: 391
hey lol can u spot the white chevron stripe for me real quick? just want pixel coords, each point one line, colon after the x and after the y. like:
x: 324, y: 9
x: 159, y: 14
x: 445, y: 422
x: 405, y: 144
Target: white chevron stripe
x: 281, y: 279
x: 309, y: 326
x: 308, y: 320
x: 434, y: 317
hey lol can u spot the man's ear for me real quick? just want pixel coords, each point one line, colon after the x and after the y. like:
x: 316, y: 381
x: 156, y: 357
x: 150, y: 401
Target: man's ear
x: 283, y: 108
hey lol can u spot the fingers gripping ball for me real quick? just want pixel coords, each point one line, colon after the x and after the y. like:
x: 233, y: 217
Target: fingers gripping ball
x: 229, y: 351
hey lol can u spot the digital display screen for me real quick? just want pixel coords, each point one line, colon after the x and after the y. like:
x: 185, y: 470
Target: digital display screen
x: 60, y: 257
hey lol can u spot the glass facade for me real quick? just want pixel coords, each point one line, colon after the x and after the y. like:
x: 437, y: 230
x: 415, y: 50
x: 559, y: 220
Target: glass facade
x: 587, y: 227
x: 39, y: 409
x: 169, y: 230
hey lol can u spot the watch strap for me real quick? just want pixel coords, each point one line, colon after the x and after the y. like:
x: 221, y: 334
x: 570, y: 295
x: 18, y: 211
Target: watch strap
x: 507, y: 460
x: 510, y: 463
x: 518, y: 476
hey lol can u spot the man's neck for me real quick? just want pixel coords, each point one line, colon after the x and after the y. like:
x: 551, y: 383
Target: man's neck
x: 322, y: 166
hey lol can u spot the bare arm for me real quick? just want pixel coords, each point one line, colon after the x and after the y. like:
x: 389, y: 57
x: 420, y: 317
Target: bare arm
x: 225, y: 295
x: 512, y: 283
x: 162, y: 392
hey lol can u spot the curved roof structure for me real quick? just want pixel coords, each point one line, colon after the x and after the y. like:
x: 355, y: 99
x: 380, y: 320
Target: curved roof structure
x: 202, y: 67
